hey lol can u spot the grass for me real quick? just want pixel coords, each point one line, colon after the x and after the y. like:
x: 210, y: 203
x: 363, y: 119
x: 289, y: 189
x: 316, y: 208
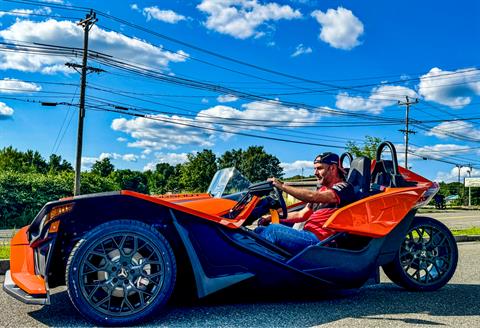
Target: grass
x: 467, y: 232
x: 4, y: 251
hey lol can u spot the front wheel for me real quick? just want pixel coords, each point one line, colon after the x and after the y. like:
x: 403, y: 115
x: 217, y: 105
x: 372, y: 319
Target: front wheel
x: 427, y: 258
x: 120, y: 273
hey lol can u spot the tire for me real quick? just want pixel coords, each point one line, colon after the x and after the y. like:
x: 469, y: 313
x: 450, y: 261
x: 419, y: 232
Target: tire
x: 121, y: 273
x: 427, y: 258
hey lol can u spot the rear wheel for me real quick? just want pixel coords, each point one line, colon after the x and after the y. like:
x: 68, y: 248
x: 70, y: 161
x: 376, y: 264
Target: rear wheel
x: 427, y: 258
x: 120, y: 273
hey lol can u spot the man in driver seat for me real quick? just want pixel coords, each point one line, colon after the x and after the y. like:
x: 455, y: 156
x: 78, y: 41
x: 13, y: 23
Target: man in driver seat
x: 333, y: 193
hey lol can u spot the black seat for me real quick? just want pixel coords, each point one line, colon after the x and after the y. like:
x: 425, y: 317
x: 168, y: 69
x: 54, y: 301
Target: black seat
x: 384, y: 175
x: 359, y: 176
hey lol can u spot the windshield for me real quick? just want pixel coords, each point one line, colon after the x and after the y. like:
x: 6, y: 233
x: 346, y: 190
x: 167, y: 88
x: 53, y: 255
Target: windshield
x: 226, y: 182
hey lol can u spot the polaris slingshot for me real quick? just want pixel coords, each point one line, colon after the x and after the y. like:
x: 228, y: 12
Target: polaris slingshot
x: 123, y: 254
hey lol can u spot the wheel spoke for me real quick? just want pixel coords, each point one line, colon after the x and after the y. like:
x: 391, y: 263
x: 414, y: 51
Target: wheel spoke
x: 135, y: 245
x: 94, y: 290
x: 442, y: 241
x: 126, y: 301
x: 90, y: 266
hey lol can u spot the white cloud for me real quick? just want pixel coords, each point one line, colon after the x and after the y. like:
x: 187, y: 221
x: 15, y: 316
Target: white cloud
x: 134, y: 6
x: 428, y: 152
x: 130, y: 157
x: 440, y: 150
x: 297, y: 166
x: 167, y: 16
x: 58, y: 2
x: 5, y: 111
x: 26, y: 12
x: 8, y: 85
x: 301, y: 50
x: 339, y: 28
x: 87, y: 162
x: 121, y: 139
x: 170, y: 158
x: 204, y: 101
x: 159, y: 132
x: 454, y: 89
x: 68, y: 34
x: 452, y: 175
x: 263, y: 111
x: 227, y: 98
x: 381, y: 97
x: 465, y: 129
x: 241, y: 18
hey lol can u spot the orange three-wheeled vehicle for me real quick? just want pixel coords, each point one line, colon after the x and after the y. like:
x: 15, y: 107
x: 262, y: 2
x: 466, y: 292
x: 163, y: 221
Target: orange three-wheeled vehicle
x: 123, y: 254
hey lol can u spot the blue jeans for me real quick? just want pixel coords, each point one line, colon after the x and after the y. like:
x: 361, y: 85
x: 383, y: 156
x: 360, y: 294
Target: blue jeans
x: 288, y: 238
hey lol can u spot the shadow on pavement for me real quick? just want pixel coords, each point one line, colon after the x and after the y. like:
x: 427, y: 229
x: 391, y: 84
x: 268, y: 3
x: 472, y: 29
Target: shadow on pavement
x: 384, y: 303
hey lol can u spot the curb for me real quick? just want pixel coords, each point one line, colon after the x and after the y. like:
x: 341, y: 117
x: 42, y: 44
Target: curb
x: 5, y: 264
x: 463, y: 238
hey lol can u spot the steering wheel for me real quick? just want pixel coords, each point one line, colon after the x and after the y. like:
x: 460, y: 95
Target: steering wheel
x: 277, y: 195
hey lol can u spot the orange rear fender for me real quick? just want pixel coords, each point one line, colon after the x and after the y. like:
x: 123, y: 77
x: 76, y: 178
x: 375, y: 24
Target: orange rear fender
x: 376, y: 215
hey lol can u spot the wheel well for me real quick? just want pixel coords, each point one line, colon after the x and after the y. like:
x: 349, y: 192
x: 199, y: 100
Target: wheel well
x: 90, y: 213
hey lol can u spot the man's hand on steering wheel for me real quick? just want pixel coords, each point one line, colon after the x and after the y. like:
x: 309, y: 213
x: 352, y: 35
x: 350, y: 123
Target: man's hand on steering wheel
x: 264, y: 221
x: 277, y: 189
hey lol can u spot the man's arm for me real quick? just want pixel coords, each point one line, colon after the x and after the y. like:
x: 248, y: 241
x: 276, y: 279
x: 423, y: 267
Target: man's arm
x: 293, y: 217
x: 305, y: 195
x: 298, y: 216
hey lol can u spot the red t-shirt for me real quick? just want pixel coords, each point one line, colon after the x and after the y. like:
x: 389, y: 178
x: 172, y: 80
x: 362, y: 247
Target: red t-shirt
x: 322, y: 212
x: 316, y: 221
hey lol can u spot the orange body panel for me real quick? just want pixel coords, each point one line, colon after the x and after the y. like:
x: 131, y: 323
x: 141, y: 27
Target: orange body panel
x: 215, y: 206
x: 204, y: 212
x: 22, y: 266
x: 378, y: 215
x: 182, y: 197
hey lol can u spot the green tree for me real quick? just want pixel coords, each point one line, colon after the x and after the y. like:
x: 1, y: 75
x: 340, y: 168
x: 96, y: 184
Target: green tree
x: 173, y: 183
x: 368, y: 149
x: 231, y: 158
x: 34, y: 162
x: 159, y: 178
x: 254, y: 163
x: 103, y: 168
x: 131, y: 180
x: 56, y: 164
x: 11, y: 160
x: 198, y: 171
x: 14, y: 160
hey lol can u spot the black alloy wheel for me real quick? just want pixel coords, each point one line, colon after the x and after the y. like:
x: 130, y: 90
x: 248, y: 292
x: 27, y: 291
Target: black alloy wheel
x: 427, y: 257
x: 120, y: 273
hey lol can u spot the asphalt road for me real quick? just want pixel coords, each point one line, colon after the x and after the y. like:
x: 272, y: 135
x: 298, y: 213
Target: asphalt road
x: 456, y: 219
x: 383, y: 305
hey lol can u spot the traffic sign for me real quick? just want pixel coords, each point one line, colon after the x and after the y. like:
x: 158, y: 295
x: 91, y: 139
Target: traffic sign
x: 472, y: 182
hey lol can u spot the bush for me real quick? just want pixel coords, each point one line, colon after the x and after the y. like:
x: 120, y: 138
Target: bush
x: 22, y: 195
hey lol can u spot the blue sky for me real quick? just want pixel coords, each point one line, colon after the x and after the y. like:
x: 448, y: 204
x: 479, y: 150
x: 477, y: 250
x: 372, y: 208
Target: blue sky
x: 319, y: 72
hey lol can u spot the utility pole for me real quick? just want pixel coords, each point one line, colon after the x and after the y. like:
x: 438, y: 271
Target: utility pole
x: 87, y: 24
x: 469, y: 187
x: 459, y: 166
x: 407, y: 120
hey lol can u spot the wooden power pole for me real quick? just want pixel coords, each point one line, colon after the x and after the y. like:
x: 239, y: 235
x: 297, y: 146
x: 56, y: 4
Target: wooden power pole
x: 87, y: 24
x: 407, y: 103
